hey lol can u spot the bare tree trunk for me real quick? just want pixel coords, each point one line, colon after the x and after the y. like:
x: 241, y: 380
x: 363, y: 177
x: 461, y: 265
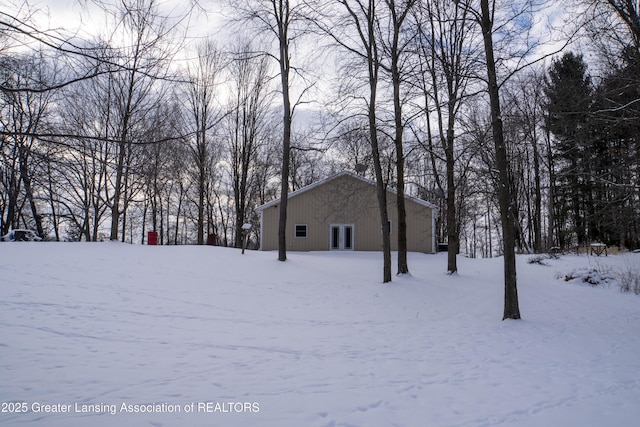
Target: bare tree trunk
x: 381, y: 190
x: 26, y: 180
x: 282, y: 14
x: 397, y: 21
x: 364, y: 18
x: 551, y: 238
x: 125, y: 192
x: 202, y: 158
x: 511, y: 308
x: 448, y: 58
x: 452, y: 226
x: 373, y: 62
x: 537, y: 221
x: 120, y: 166
x: 52, y: 203
x: 115, y: 203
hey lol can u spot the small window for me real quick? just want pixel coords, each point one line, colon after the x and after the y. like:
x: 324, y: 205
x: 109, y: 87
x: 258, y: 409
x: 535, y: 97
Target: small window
x: 301, y: 230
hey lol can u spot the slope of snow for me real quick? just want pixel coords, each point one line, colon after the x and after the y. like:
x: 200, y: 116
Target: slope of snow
x: 244, y: 340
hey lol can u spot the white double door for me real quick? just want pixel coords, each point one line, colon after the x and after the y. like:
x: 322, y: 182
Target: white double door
x: 341, y: 237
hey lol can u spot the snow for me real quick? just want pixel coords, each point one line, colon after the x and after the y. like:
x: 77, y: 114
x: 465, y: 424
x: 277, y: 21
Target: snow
x: 245, y: 340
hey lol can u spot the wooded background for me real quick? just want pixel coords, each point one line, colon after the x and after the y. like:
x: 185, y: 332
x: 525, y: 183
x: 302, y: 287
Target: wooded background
x: 142, y: 127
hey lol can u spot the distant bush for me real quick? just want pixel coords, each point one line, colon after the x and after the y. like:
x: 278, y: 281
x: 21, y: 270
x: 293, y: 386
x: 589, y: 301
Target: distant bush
x: 593, y: 276
x: 537, y: 259
x: 629, y: 279
x: 554, y: 252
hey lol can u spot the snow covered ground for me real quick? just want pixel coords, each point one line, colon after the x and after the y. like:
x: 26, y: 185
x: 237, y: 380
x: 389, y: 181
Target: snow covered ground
x: 118, y: 335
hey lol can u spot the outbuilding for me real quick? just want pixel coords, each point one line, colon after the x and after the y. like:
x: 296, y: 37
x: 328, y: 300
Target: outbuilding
x: 340, y: 213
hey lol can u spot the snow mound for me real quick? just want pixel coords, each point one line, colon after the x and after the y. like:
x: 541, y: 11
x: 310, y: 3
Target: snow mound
x: 591, y: 276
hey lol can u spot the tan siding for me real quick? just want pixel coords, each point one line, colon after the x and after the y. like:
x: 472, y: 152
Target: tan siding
x: 345, y: 200
x: 270, y: 228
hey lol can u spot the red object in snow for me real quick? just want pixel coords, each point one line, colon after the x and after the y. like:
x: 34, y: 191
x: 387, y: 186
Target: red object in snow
x: 152, y: 238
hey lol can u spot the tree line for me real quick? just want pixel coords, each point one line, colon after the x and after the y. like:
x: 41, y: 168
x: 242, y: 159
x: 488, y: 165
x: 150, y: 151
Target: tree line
x: 523, y: 143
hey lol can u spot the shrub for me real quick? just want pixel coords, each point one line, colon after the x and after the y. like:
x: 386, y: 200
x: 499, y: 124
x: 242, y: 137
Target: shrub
x: 593, y: 276
x: 629, y: 279
x: 537, y: 259
x: 554, y: 252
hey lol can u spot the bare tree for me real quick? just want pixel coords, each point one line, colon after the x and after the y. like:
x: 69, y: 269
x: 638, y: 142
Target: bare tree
x: 247, y: 127
x: 202, y: 117
x: 144, y: 34
x: 357, y: 32
x: 614, y: 27
x: 22, y: 116
x: 505, y: 197
x: 397, y: 50
x: 285, y: 21
x: 524, y: 102
x: 519, y: 49
x: 86, y: 122
x: 447, y: 58
x: 19, y: 32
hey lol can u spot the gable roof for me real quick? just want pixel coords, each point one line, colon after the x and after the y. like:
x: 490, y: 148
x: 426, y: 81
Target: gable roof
x: 336, y: 176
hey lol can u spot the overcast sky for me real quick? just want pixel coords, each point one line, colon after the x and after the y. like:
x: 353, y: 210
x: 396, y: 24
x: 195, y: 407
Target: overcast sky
x: 84, y: 18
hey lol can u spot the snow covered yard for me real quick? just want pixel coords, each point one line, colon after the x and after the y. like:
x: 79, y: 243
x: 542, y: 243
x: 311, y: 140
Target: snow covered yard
x: 119, y: 335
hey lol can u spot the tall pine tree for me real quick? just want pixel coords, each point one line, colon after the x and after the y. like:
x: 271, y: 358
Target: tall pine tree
x: 569, y: 100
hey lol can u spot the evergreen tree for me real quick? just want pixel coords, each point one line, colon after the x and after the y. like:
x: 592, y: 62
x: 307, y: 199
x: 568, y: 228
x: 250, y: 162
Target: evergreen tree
x: 617, y: 135
x: 569, y: 100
